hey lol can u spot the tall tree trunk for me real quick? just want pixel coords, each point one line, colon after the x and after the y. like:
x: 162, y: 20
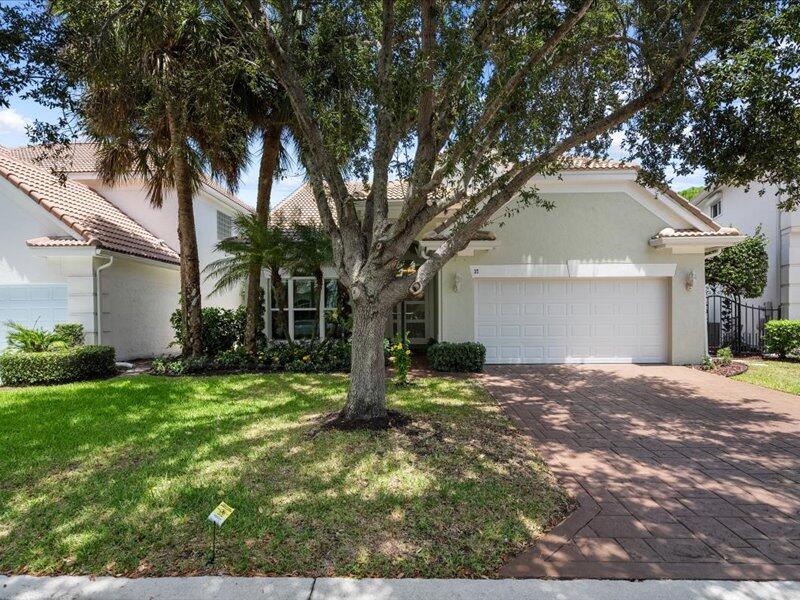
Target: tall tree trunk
x: 281, y: 299
x: 320, y: 281
x: 366, y: 399
x: 270, y: 150
x: 192, y: 322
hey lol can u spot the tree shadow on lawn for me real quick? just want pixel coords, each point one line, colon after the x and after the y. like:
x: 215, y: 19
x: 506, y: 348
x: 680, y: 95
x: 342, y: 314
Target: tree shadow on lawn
x: 118, y: 477
x: 660, y: 430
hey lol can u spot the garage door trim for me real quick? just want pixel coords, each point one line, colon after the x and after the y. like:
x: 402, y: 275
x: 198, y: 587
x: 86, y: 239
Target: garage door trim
x: 576, y: 269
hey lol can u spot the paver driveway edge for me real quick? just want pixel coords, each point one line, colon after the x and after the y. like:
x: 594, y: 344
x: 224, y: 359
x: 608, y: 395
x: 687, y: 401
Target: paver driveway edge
x: 678, y: 474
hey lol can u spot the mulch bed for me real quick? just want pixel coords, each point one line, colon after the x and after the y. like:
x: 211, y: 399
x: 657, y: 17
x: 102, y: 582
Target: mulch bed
x: 735, y: 368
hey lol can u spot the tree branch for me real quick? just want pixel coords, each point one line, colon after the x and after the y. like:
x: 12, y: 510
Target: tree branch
x: 462, y: 235
x: 376, y: 207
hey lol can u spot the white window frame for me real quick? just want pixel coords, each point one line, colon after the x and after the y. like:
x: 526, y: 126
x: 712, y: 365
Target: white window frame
x: 716, y: 206
x: 291, y: 309
x: 224, y: 220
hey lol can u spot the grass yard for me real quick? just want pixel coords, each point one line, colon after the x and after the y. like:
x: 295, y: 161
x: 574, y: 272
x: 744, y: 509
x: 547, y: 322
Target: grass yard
x: 118, y: 477
x: 780, y: 375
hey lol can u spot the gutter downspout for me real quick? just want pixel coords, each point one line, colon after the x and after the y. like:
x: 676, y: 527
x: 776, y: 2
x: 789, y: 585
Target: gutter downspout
x: 97, y: 304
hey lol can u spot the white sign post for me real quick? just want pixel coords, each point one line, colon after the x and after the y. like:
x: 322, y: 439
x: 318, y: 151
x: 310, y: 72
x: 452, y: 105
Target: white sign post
x: 217, y: 517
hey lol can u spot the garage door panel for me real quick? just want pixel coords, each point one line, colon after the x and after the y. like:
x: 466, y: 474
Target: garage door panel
x: 40, y: 305
x: 588, y: 320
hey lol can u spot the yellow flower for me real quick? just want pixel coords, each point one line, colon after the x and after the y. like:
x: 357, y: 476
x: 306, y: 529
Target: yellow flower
x: 306, y: 358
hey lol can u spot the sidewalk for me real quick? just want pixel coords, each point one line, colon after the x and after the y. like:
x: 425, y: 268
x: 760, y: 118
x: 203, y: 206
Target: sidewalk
x: 255, y: 588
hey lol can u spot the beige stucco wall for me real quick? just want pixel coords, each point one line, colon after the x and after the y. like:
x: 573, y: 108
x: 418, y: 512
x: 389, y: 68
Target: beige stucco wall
x: 593, y: 228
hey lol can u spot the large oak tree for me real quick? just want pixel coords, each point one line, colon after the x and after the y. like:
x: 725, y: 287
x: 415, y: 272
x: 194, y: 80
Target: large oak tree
x: 467, y: 100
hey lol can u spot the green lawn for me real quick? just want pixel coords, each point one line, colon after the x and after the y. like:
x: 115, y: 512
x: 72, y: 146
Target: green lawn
x: 780, y: 375
x: 118, y: 477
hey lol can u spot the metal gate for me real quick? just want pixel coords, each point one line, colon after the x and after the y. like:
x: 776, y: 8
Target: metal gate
x: 736, y: 325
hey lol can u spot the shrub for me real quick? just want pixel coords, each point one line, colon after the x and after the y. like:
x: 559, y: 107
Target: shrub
x: 782, y: 337
x: 708, y: 363
x: 307, y: 356
x: 400, y: 357
x: 70, y: 333
x: 724, y: 356
x: 223, y: 328
x: 465, y: 357
x: 32, y: 339
x: 167, y: 365
x: 44, y: 368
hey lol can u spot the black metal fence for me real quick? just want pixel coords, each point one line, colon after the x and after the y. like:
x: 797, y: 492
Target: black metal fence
x: 736, y: 325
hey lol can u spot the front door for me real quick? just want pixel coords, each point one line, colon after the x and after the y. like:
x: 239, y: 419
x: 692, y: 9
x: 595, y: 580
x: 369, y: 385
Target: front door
x: 412, y: 316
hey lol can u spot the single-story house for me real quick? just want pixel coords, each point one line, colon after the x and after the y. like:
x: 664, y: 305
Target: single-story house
x: 613, y: 274
x: 77, y: 250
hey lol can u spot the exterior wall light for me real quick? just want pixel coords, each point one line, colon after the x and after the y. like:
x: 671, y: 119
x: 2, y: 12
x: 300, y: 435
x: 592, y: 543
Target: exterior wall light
x: 691, y: 279
x: 458, y: 282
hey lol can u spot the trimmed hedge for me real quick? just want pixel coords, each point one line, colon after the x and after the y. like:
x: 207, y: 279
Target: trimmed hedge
x: 46, y: 368
x: 303, y: 356
x: 465, y: 357
x: 782, y: 337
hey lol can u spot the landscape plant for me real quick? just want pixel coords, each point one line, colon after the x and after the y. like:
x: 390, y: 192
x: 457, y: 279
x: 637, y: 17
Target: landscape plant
x: 33, y: 339
x: 782, y: 337
x: 400, y: 358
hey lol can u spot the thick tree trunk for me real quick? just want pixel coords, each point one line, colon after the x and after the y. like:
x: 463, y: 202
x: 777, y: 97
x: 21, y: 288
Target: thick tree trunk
x: 366, y: 399
x: 187, y: 237
x: 270, y: 150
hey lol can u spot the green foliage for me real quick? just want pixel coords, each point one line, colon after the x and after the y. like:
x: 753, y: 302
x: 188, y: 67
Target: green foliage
x: 724, y: 356
x: 223, y: 328
x: 307, y: 356
x: 47, y: 368
x: 303, y: 356
x: 71, y: 333
x: 782, y: 337
x: 741, y: 270
x: 466, y: 357
x: 692, y: 192
x: 400, y: 357
x: 708, y: 363
x: 33, y: 339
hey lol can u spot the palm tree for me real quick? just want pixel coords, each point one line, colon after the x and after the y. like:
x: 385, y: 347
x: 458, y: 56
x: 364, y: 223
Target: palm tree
x: 155, y: 81
x: 310, y: 250
x: 256, y: 243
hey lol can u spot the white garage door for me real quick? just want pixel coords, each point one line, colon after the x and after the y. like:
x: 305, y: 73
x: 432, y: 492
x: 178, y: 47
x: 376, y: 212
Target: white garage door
x: 42, y: 305
x: 523, y: 321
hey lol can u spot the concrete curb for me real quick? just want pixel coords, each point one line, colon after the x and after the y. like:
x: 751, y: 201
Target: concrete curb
x: 287, y: 588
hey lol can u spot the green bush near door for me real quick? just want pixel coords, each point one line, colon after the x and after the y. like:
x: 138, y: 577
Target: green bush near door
x: 464, y: 357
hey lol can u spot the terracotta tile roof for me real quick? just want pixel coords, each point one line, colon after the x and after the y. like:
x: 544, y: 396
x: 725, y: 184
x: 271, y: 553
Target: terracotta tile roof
x: 95, y: 220
x: 676, y: 233
x: 300, y: 206
x: 81, y: 157
x: 479, y: 236
x: 56, y: 241
x: 581, y: 163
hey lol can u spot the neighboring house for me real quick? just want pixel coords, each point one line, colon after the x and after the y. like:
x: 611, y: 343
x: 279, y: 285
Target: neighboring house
x: 81, y: 251
x: 613, y: 274
x: 748, y: 210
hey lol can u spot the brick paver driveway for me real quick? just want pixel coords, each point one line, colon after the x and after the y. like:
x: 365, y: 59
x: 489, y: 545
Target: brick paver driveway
x: 679, y: 473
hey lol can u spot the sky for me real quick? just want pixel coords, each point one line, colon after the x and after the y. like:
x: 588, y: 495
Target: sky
x: 20, y: 113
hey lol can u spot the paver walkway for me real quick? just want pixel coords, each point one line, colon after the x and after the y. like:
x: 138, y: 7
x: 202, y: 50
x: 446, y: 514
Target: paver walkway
x: 679, y: 474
